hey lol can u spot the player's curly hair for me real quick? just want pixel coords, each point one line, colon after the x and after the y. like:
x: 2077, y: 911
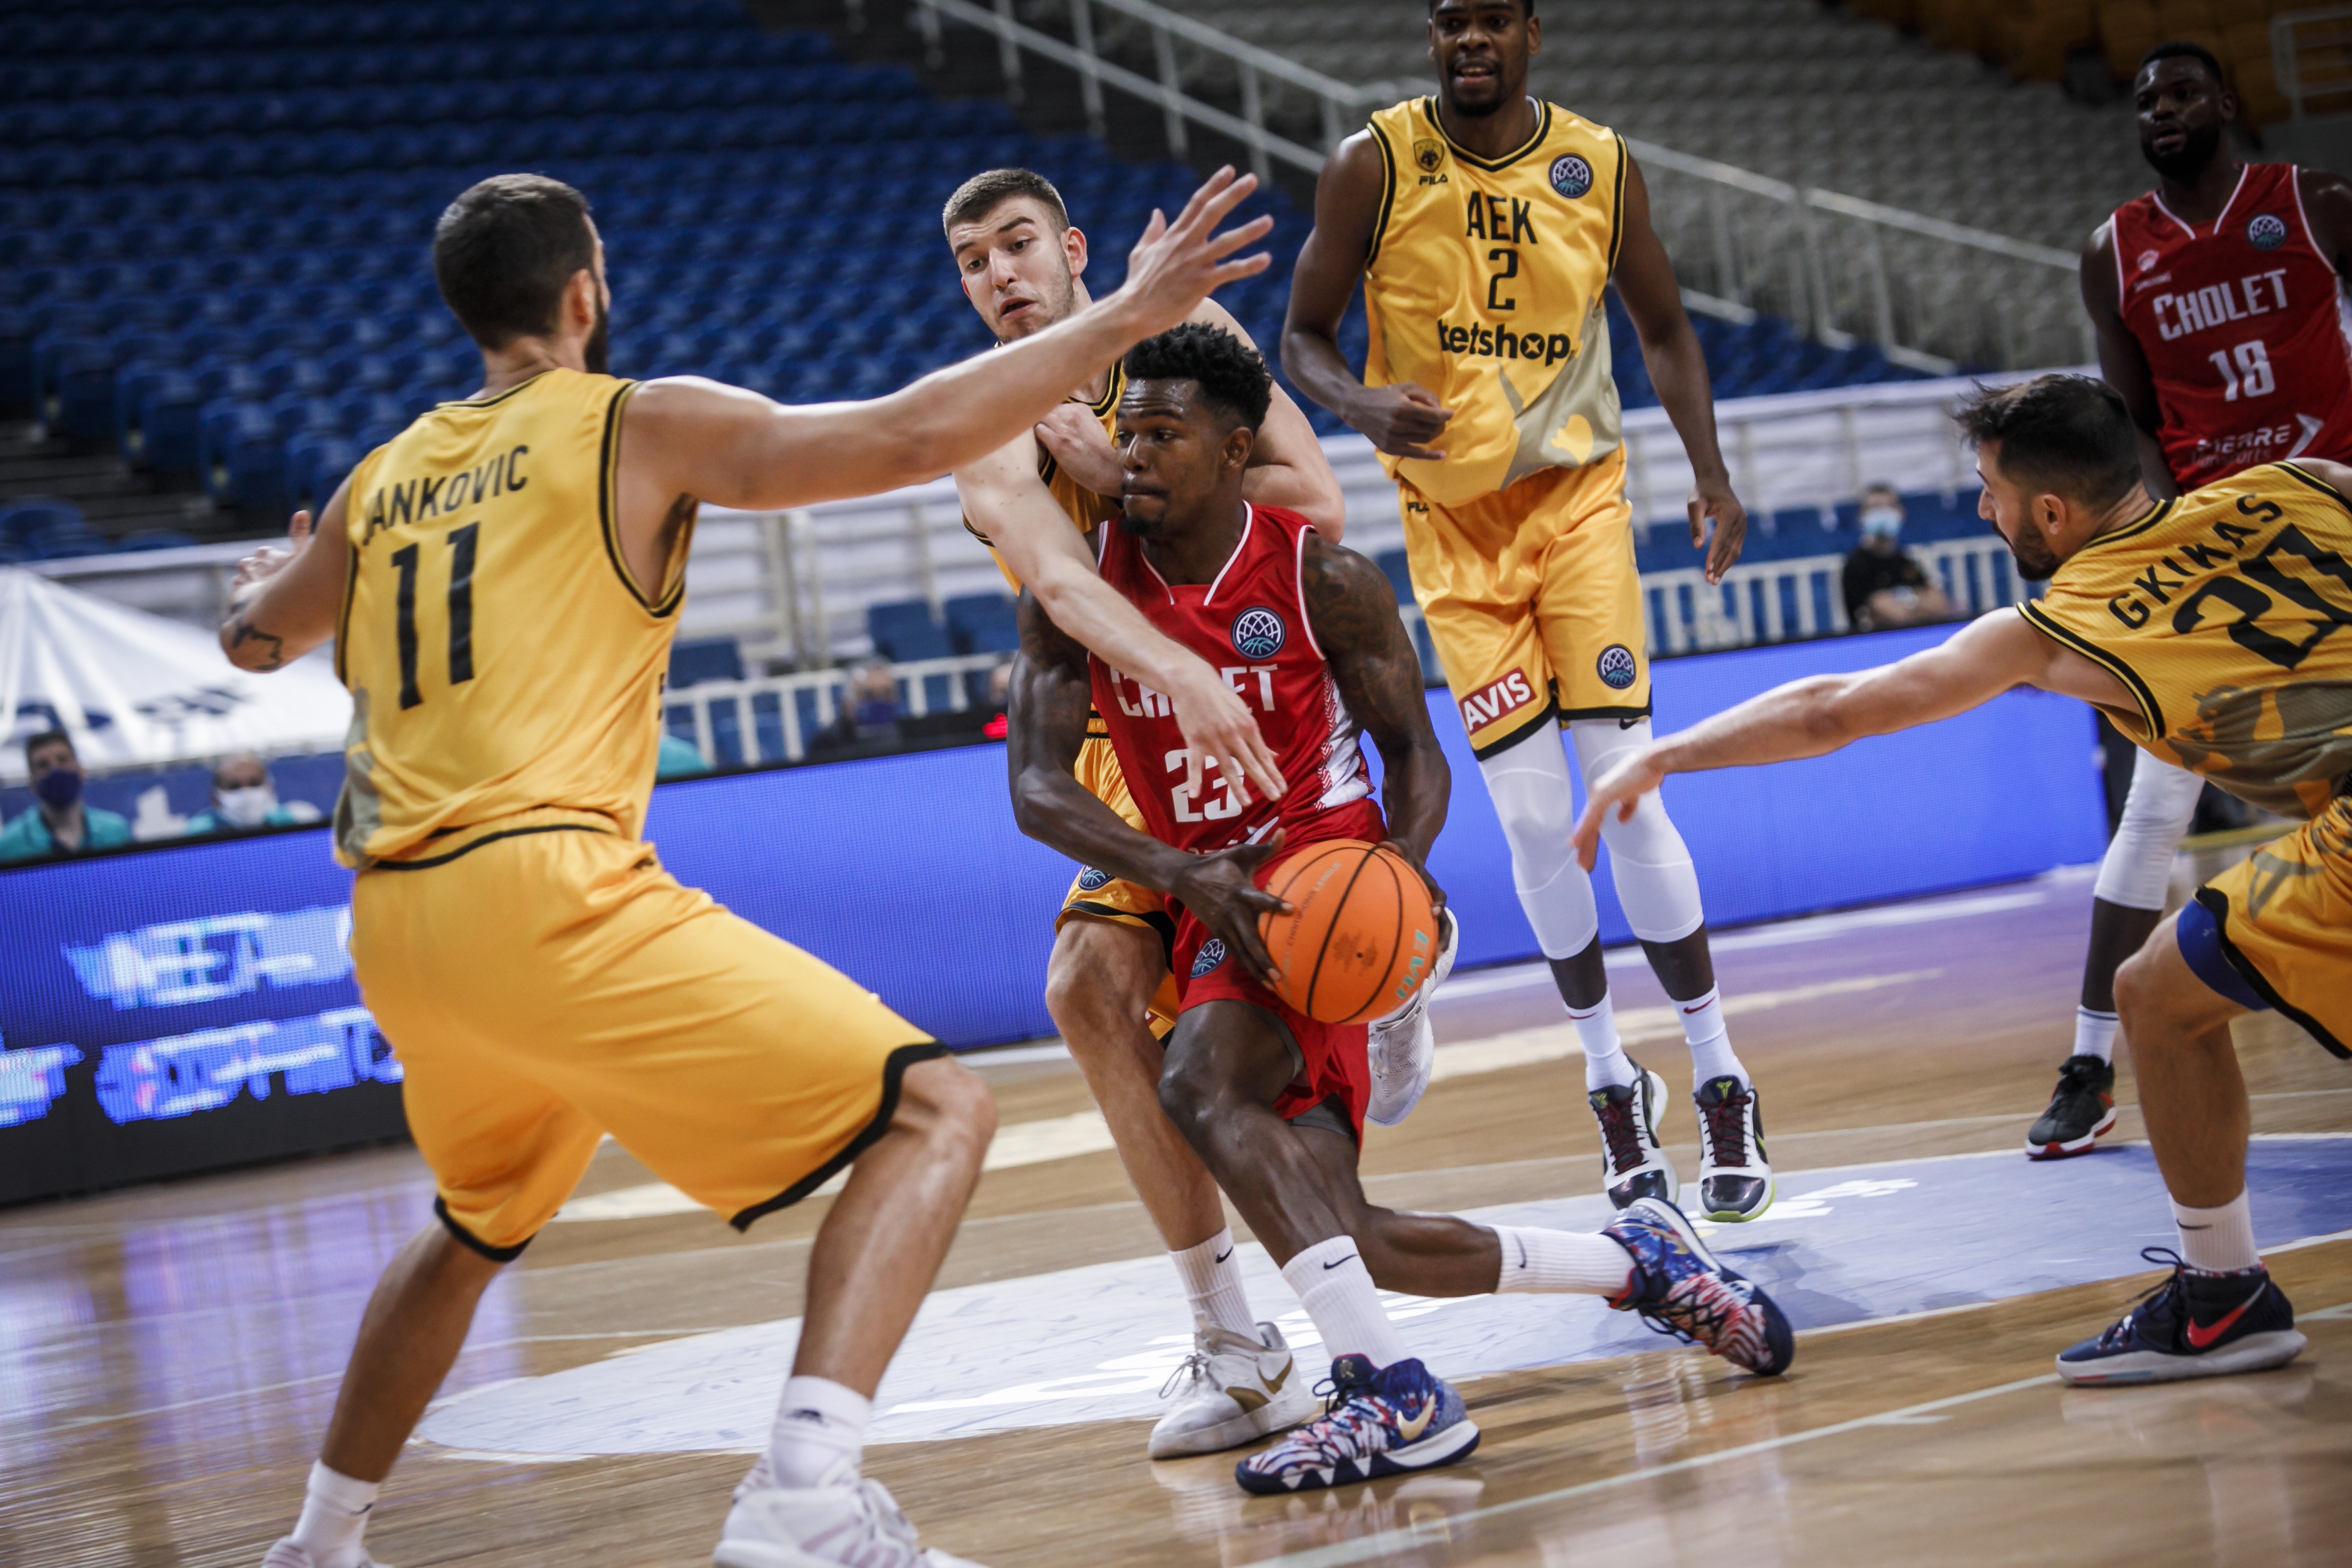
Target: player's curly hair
x: 1232, y: 376
x: 2066, y: 435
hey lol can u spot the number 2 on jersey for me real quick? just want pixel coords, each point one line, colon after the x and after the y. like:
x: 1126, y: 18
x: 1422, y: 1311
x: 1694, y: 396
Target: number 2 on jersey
x: 462, y: 543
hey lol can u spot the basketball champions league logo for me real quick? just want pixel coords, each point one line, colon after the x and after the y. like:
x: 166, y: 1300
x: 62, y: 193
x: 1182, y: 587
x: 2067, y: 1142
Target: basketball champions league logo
x: 1572, y: 176
x: 2267, y: 231
x: 1258, y: 633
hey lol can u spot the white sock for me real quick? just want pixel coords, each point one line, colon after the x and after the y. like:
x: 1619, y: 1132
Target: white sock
x: 1606, y: 1065
x: 1337, y: 1290
x: 334, y: 1516
x: 1545, y: 1261
x: 1710, y: 1042
x: 1213, y: 1284
x: 2218, y: 1241
x: 820, y: 1433
x: 2095, y: 1034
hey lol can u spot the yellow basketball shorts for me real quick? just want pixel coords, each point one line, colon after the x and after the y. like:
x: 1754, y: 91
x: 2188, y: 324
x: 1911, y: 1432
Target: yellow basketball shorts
x: 2285, y: 915
x: 1533, y: 601
x: 543, y: 984
x: 1096, y: 894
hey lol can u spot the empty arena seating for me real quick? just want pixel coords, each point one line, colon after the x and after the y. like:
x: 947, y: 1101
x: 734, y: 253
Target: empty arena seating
x: 214, y: 222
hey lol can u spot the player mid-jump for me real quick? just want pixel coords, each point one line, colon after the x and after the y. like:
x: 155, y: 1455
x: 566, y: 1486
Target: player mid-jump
x: 1485, y: 226
x: 2219, y: 302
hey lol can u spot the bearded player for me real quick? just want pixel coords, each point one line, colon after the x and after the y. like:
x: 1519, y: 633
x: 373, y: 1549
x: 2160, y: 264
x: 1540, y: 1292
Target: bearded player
x: 2218, y: 301
x: 1023, y: 265
x: 502, y: 583
x: 2212, y: 629
x: 1271, y: 1101
x: 1485, y: 226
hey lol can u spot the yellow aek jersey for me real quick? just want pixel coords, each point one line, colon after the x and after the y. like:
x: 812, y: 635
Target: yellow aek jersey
x: 500, y: 655
x: 1085, y: 510
x: 1484, y: 285
x: 2228, y: 613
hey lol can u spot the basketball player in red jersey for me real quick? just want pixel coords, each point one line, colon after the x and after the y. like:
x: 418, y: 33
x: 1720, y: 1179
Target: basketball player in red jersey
x: 1272, y: 1101
x: 2219, y: 299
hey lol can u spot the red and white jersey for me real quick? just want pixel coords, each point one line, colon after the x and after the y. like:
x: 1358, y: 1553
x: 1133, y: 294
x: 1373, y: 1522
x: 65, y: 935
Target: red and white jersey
x: 2246, y: 329
x: 1250, y: 624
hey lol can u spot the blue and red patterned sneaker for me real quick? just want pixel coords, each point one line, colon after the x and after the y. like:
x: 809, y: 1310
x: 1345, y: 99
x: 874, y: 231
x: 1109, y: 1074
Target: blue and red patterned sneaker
x: 1390, y: 1422
x: 2193, y: 1325
x: 1680, y: 1290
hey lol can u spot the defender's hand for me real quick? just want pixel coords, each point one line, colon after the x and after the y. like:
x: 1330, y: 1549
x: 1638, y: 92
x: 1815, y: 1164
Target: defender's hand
x: 1619, y: 790
x: 1437, y: 893
x: 1073, y: 439
x: 1713, y: 500
x: 1219, y: 729
x: 1402, y: 419
x: 1219, y: 891
x: 269, y: 561
x: 1177, y: 265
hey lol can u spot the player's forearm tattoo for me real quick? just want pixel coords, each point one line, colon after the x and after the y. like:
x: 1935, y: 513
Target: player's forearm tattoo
x: 269, y: 649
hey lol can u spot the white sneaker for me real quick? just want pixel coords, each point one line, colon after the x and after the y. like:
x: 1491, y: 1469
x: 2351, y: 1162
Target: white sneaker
x: 289, y: 1554
x: 852, y: 1524
x: 1230, y: 1391
x: 1404, y: 1047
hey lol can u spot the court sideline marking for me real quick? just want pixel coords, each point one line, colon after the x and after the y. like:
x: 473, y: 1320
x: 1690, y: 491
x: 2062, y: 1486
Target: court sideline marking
x: 1387, y: 1541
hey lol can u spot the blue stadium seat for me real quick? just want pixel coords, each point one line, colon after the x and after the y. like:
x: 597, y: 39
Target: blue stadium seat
x: 1398, y: 570
x: 316, y: 462
x: 983, y: 623
x: 695, y: 661
x: 22, y: 521
x: 904, y: 630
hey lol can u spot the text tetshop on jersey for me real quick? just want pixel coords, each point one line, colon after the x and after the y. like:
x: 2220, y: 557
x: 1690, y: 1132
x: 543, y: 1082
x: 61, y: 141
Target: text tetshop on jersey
x: 1500, y: 342
x: 1149, y: 704
x: 421, y: 498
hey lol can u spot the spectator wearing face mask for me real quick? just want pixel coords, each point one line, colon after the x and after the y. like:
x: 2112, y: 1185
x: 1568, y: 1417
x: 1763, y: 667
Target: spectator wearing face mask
x: 58, y: 824
x: 1883, y: 586
x: 244, y: 798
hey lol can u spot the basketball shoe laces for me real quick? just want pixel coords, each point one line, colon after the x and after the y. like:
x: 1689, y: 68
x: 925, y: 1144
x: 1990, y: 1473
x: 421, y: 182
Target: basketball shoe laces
x: 1726, y: 1128
x: 1352, y: 1415
x: 1704, y: 1309
x: 2152, y: 1308
x: 1619, y: 1132
x: 1194, y: 1368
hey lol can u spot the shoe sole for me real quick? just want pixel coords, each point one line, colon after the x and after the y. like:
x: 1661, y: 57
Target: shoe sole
x: 2073, y: 1147
x: 1734, y: 1216
x: 1450, y: 1446
x: 2255, y: 1352
x: 1292, y: 1406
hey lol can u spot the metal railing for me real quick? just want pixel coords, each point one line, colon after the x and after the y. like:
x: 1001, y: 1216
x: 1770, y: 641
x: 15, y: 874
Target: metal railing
x: 1767, y: 601
x: 1932, y: 293
x: 2311, y: 57
x: 770, y: 707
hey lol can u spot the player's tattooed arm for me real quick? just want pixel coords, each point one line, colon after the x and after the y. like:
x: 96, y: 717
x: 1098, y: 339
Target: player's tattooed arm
x: 284, y: 603
x: 2122, y: 363
x: 1351, y: 609
x: 1051, y: 699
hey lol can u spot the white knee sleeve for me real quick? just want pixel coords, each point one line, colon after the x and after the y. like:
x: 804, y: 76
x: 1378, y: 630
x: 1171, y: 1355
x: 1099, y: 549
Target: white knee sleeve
x: 2156, y: 813
x: 1656, y: 883
x: 1535, y: 797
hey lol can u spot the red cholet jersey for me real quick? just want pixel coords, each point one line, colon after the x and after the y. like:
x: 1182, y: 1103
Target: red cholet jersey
x: 2246, y: 328
x: 1251, y: 625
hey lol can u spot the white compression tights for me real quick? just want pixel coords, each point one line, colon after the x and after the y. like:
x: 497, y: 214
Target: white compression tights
x: 2156, y: 813
x: 1535, y: 799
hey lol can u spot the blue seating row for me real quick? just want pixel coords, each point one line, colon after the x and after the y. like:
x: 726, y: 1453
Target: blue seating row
x: 165, y: 30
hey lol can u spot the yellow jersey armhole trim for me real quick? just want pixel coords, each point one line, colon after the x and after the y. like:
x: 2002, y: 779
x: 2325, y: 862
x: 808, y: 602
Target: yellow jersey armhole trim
x: 1388, y: 192
x: 343, y: 618
x: 1617, y: 204
x: 2151, y: 715
x: 2315, y: 482
x: 608, y: 506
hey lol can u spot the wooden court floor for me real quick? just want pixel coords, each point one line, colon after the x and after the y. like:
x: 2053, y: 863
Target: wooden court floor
x: 168, y: 1355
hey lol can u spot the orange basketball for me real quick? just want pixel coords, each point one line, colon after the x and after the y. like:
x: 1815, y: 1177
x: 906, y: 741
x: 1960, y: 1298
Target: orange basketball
x: 1360, y: 934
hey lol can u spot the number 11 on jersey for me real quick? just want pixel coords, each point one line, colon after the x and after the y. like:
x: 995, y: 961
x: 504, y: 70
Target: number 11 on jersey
x: 462, y: 543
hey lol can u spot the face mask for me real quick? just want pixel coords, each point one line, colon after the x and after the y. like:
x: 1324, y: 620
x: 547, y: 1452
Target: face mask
x: 1884, y: 521
x: 247, y: 807
x: 60, y: 787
